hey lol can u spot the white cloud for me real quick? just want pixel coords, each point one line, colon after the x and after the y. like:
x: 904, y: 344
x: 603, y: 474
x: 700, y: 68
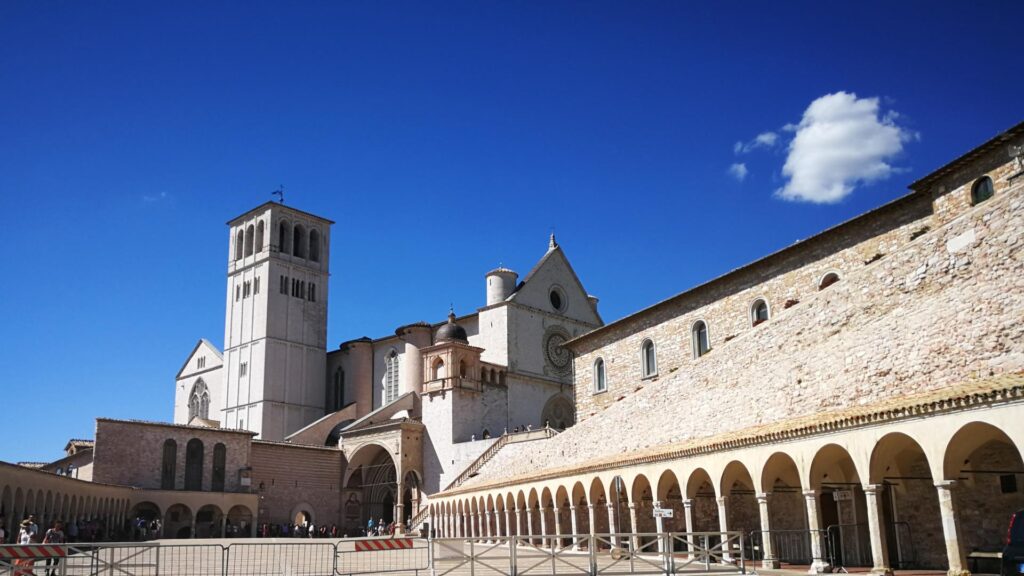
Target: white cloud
x: 842, y: 141
x: 154, y: 197
x: 762, y: 140
x: 738, y: 171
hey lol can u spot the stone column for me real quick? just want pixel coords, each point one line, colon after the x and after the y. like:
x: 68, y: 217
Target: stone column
x: 876, y: 529
x: 635, y: 540
x: 519, y: 522
x: 529, y: 525
x: 543, y: 511
x: 951, y: 528
x: 769, y: 561
x: 819, y: 564
x: 611, y: 524
x: 508, y: 522
x: 223, y: 525
x: 592, y: 516
x: 723, y: 526
x: 688, y: 513
x: 575, y: 527
x: 659, y: 527
x: 492, y: 525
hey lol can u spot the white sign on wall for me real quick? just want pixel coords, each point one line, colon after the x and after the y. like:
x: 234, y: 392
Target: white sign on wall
x: 841, y: 495
x: 663, y: 513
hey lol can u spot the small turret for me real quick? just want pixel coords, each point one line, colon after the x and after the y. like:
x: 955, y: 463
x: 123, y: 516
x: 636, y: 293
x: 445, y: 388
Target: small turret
x: 501, y: 282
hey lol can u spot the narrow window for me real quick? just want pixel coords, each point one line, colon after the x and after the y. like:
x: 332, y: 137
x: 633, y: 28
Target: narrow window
x: 299, y: 241
x: 250, y: 232
x: 238, y: 293
x: 283, y: 232
x: 169, y: 465
x: 219, y: 463
x: 438, y: 370
x: 758, y: 312
x: 284, y: 284
x: 194, y: 465
x: 600, y: 385
x: 259, y: 237
x: 649, y: 361
x: 314, y: 245
x: 239, y: 241
x: 243, y: 368
x: 828, y: 280
x: 391, y: 377
x: 699, y: 335
x: 199, y: 401
x: 312, y: 292
x: 982, y: 190
x: 256, y: 285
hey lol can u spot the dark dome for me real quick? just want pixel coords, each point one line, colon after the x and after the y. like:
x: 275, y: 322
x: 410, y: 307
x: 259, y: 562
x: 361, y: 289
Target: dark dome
x: 452, y: 331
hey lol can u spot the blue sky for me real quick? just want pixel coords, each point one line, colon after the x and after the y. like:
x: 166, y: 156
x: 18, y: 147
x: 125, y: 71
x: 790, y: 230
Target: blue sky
x: 444, y: 139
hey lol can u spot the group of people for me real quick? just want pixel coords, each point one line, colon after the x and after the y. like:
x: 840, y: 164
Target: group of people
x: 304, y: 530
x: 379, y: 528
x: 143, y: 529
x: 29, y: 533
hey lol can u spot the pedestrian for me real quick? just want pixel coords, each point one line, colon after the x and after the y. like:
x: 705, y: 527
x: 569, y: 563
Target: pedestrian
x: 54, y: 535
x: 24, y: 565
x: 34, y: 527
x: 370, y: 527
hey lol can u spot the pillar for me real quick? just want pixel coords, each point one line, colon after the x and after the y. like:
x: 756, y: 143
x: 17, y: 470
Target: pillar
x: 611, y: 525
x: 508, y: 522
x: 529, y: 525
x: 635, y: 540
x: 575, y: 527
x: 519, y: 522
x: 876, y: 530
x: 558, y: 527
x: 543, y: 511
x: 769, y: 561
x: 819, y: 564
x: 951, y: 529
x: 688, y: 513
x: 659, y: 527
x: 591, y: 515
x: 223, y: 525
x: 491, y: 529
x: 723, y: 526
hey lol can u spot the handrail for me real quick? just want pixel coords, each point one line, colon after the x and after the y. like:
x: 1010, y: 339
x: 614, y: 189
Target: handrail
x: 483, y: 458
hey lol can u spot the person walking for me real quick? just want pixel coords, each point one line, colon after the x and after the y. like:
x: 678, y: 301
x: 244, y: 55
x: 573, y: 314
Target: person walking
x: 23, y: 566
x: 54, y: 535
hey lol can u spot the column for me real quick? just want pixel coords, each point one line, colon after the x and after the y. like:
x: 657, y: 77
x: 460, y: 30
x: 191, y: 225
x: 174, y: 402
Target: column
x: 575, y: 527
x: 508, y: 522
x: 399, y: 509
x: 635, y: 540
x: 769, y: 561
x: 592, y: 516
x: 611, y: 525
x: 723, y: 526
x: 223, y: 525
x: 819, y: 564
x: 519, y: 522
x: 876, y: 529
x: 688, y: 513
x: 474, y: 525
x: 529, y: 525
x: 543, y: 526
x: 490, y: 531
x: 558, y: 527
x: 951, y: 528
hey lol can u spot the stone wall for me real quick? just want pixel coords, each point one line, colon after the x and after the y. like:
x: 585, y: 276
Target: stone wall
x: 290, y: 478
x: 130, y: 453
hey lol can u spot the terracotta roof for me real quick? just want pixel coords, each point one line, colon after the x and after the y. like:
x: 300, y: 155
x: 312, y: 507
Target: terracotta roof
x: 1004, y: 388
x: 183, y: 426
x: 1002, y: 139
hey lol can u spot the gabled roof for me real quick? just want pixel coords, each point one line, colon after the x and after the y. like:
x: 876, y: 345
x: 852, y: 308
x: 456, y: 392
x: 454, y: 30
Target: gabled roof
x: 263, y: 206
x: 553, y: 249
x: 193, y: 353
x: 406, y: 401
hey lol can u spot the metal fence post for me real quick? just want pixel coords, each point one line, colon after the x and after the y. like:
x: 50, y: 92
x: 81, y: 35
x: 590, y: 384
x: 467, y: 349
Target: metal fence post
x: 743, y: 556
x: 513, y: 544
x: 592, y: 552
x: 666, y: 546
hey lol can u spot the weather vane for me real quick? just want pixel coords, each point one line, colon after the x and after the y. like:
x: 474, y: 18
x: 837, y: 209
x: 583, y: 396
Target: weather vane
x: 279, y: 193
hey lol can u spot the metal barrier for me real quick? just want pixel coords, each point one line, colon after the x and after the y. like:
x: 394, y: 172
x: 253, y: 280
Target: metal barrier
x: 850, y: 545
x: 575, y: 554
x: 788, y: 546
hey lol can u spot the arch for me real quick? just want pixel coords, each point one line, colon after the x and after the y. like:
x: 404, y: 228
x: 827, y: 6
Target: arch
x: 314, y: 245
x: 219, y: 467
x: 558, y: 412
x: 299, y: 241
x: 284, y: 233
x: 599, y: 376
x: 302, y: 513
x: 700, y: 491
x: 259, y: 237
x: 250, y: 238
x: 239, y: 243
x: 988, y: 471
x: 737, y: 488
x: 437, y: 370
x: 462, y: 368
x: 699, y: 338
x: 832, y: 465
x: 780, y: 470
x: 178, y: 521
x: 828, y: 279
x: 168, y: 467
x: 199, y: 401
x: 618, y: 502
x: 642, y: 497
x: 194, y: 464
x: 239, y: 521
x: 209, y: 522
x: 648, y: 359
x: 374, y: 473
x: 981, y: 190
x: 759, y: 312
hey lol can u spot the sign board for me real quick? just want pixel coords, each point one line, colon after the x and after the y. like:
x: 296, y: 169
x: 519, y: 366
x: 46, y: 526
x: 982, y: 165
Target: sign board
x: 663, y: 513
x: 841, y: 495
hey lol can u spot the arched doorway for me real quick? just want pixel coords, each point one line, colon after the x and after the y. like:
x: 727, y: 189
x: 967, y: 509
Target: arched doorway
x: 178, y: 522
x: 209, y: 522
x: 239, y: 523
x: 842, y: 505
x: 372, y: 484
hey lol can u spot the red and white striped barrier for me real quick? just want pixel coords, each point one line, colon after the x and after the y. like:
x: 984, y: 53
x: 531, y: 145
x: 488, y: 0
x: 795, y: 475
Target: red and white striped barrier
x: 383, y: 544
x: 33, y: 551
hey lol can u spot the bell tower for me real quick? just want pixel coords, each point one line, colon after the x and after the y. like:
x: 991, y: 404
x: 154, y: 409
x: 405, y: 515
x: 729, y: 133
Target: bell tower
x: 275, y: 324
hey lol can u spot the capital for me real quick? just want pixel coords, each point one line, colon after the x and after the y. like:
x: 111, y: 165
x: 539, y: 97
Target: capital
x: 874, y: 489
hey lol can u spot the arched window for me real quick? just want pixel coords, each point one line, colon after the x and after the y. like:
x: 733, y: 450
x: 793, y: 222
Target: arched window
x: 699, y: 335
x: 648, y: 359
x: 391, y: 377
x: 600, y: 384
x: 828, y: 280
x: 199, y: 401
x: 337, y: 399
x: 194, y: 464
x: 259, y: 237
x: 239, y: 242
x: 219, y: 463
x: 982, y: 190
x: 437, y: 371
x: 250, y: 233
x: 299, y: 241
x: 758, y: 312
x: 169, y: 466
x: 462, y: 369
x: 314, y: 245
x: 283, y: 235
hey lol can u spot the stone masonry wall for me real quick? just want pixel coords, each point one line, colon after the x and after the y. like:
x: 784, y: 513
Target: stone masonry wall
x: 288, y: 476
x: 882, y: 332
